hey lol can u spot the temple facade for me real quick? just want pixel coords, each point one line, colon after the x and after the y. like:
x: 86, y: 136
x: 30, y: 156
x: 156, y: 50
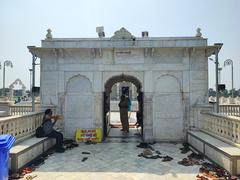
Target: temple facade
x: 168, y: 76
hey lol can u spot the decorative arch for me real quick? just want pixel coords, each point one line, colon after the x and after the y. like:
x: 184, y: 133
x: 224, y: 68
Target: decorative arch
x: 171, y: 84
x: 168, y: 122
x: 77, y: 102
x: 108, y: 86
x: 78, y: 83
x: 17, y: 81
x: 120, y: 78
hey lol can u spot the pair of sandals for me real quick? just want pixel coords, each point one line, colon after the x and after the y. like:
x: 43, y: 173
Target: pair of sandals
x: 22, y: 173
x: 164, y: 158
x: 187, y: 162
x: 167, y: 158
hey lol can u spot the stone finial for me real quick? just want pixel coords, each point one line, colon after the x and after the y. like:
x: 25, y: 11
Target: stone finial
x: 49, y: 34
x: 145, y: 34
x: 199, y: 34
x: 100, y: 31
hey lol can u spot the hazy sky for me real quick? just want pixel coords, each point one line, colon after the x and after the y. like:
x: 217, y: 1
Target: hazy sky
x: 24, y: 23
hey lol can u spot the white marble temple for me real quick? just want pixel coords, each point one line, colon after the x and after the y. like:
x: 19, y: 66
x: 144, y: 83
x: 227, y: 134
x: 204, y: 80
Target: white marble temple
x: 170, y: 71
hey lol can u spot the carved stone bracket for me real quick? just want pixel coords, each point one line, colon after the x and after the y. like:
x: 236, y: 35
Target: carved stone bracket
x: 100, y: 52
x: 35, y: 52
x: 58, y: 53
x: 96, y: 51
x: 149, y: 51
x: 148, y: 98
x: 93, y: 52
x: 192, y: 51
x: 61, y: 53
x: 55, y: 53
x: 145, y: 52
x: 208, y: 52
x: 152, y: 52
x: 186, y: 52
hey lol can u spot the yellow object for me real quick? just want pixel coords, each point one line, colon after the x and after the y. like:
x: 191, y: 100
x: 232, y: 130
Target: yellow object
x: 93, y: 135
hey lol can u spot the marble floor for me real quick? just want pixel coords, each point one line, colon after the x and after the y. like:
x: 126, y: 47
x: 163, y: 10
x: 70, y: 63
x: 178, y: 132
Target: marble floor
x: 115, y: 158
x: 115, y: 118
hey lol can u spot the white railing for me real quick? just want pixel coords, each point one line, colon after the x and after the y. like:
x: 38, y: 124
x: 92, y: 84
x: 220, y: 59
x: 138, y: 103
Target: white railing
x: 221, y: 125
x: 225, y: 100
x: 17, y: 110
x: 23, y: 109
x: 21, y: 126
x: 230, y: 109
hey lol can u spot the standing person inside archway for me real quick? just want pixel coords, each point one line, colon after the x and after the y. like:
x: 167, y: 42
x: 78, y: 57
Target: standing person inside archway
x: 123, y: 105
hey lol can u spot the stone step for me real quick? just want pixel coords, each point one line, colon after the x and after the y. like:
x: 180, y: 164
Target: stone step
x: 123, y: 139
x: 27, y: 150
x: 222, y: 153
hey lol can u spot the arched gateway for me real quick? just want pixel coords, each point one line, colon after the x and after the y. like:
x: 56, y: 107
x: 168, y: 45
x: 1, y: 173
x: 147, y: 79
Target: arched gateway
x: 106, y: 98
x: 169, y: 73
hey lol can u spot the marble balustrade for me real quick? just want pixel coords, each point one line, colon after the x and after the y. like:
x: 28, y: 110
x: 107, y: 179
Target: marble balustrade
x: 230, y: 109
x: 221, y: 125
x: 21, y: 126
x: 23, y: 109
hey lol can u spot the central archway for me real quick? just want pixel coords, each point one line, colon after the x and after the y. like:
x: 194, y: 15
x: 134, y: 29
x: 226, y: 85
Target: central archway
x: 106, y: 98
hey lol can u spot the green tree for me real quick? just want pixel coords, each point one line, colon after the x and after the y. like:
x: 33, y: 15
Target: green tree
x: 211, y: 92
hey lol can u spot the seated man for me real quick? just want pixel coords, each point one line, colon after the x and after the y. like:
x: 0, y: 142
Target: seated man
x: 50, y: 132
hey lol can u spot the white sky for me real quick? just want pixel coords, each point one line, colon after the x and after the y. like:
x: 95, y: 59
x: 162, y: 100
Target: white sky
x: 24, y: 23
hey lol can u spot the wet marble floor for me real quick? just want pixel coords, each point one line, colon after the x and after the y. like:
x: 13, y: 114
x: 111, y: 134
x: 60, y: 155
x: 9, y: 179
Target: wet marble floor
x: 115, y: 158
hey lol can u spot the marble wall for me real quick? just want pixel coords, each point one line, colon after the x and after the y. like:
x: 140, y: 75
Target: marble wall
x: 172, y: 78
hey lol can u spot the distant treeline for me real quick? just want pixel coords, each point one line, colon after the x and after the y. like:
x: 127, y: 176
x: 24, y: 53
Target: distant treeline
x: 224, y: 93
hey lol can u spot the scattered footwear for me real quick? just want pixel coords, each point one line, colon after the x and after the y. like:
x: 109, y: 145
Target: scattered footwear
x: 145, y: 145
x: 30, y: 177
x: 167, y: 158
x: 214, y: 171
x: 86, y: 153
x: 147, y: 152
x: 196, y: 156
x: 158, y: 152
x: 149, y: 157
x: 84, y: 159
x: 192, y: 159
x: 185, y: 148
x: 185, y: 162
x: 69, y: 144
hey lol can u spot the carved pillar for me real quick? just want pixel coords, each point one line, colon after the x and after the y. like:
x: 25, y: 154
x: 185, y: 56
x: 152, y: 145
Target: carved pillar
x: 186, y: 95
x: 133, y: 91
x: 148, y: 117
x: 98, y: 109
x: 198, y: 118
x: 118, y: 96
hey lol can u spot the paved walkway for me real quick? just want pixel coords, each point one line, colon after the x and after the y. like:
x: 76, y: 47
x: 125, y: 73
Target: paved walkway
x: 117, y: 158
